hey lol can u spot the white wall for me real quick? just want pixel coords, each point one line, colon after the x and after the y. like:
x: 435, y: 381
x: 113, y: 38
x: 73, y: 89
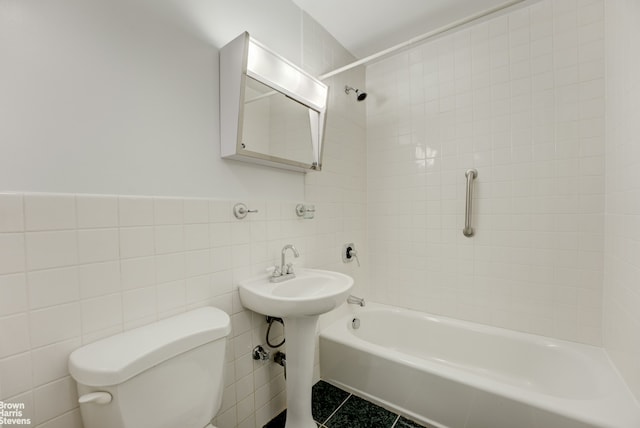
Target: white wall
x: 520, y: 98
x: 121, y: 98
x: 622, y: 249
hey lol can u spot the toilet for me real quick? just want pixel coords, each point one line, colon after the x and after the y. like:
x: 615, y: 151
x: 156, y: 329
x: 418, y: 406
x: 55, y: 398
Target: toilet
x: 168, y: 374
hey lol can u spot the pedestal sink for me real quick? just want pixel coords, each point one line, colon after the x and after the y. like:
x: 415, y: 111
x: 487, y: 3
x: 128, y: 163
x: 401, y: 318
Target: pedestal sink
x: 299, y: 301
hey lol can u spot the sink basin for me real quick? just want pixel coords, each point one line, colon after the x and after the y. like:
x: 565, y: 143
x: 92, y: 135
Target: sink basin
x: 311, y: 292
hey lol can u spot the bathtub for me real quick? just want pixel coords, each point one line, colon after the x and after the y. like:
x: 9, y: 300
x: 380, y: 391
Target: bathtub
x: 457, y: 374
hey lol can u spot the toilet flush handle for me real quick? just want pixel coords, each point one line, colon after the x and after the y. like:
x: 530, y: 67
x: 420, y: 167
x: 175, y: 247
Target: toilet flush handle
x: 95, y: 397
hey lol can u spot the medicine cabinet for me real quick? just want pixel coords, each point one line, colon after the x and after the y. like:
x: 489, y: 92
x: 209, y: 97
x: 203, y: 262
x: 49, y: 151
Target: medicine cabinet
x: 271, y: 111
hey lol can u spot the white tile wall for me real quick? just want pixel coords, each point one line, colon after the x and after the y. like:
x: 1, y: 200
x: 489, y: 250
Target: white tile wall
x: 622, y: 249
x: 81, y: 284
x: 521, y: 98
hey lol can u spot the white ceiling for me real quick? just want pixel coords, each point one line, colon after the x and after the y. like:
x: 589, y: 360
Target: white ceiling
x: 368, y: 26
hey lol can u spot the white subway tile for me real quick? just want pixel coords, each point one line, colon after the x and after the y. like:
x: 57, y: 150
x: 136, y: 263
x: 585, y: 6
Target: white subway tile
x: 196, y: 236
x: 14, y: 330
x: 136, y: 242
x: 198, y: 289
x: 102, y: 313
x: 240, y: 233
x: 196, y: 211
x: 591, y: 13
x: 49, y: 212
x: 135, y: 211
x: 245, y: 409
x: 168, y: 211
x: 54, y: 399
x: 222, y: 283
x: 99, y: 278
x: 51, y: 249
x: 591, y: 70
x: 592, y: 31
x: 170, y: 267
x: 53, y: 287
x: 13, y: 289
x: 221, y: 211
x: 72, y: 419
x: 244, y: 385
x: 169, y: 239
x: 198, y: 263
x: 51, y: 362
x: 98, y: 245
x: 97, y: 211
x: 12, y: 253
x: 136, y: 273
x: 11, y: 213
x: 242, y: 344
x: 220, y: 259
x: 139, y: 304
x: 220, y: 234
x: 171, y: 295
x: 107, y: 332
x: 15, y: 375
x: 54, y: 324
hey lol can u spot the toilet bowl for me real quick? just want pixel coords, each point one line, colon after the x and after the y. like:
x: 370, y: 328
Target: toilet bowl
x: 168, y: 374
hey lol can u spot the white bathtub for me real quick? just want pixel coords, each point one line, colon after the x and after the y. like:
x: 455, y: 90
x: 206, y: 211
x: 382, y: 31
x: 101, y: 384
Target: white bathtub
x: 457, y: 374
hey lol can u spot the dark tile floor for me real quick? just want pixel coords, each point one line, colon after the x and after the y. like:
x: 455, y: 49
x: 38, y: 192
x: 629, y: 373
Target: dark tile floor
x: 334, y: 408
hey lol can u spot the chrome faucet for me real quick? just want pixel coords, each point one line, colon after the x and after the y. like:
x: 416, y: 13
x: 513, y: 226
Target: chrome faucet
x: 285, y: 271
x: 353, y: 300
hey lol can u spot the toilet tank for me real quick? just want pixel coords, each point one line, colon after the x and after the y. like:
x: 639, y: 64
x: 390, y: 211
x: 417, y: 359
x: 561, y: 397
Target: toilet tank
x: 164, y: 375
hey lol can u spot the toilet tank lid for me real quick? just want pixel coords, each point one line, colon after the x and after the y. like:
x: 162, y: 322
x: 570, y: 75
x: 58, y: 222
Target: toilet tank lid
x: 115, y: 359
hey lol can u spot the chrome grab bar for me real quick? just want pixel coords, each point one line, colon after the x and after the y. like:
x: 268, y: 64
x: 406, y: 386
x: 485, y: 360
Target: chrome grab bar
x: 471, y: 175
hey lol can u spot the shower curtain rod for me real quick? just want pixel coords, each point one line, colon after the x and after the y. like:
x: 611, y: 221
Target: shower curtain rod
x: 421, y: 38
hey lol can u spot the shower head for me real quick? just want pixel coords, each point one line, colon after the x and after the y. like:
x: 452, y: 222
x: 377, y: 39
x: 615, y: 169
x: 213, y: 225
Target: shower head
x: 360, y: 95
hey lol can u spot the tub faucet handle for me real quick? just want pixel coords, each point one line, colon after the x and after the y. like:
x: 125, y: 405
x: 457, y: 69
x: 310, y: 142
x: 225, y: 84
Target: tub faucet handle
x: 349, y: 253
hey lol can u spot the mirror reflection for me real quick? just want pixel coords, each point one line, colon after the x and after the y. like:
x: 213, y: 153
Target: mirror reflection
x: 275, y: 124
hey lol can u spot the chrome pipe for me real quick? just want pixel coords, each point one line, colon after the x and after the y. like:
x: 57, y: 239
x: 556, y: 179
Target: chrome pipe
x: 471, y: 175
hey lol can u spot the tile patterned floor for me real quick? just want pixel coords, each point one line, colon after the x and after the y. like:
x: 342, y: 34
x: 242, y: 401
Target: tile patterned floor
x: 334, y: 408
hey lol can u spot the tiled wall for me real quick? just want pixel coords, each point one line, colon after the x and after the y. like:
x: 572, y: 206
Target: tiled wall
x: 78, y: 268
x: 622, y: 237
x: 521, y: 98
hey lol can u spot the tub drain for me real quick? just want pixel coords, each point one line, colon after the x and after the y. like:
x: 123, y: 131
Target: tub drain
x: 355, y: 323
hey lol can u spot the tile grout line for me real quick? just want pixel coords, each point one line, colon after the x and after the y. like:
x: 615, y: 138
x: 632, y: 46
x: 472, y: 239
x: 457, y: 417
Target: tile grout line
x: 337, y: 408
x: 396, y: 421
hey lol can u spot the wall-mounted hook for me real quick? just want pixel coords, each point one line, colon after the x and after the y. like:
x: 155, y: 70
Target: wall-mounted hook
x: 240, y: 211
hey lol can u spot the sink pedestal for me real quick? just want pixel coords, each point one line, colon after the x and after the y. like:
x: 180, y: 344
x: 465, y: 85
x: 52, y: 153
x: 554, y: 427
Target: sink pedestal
x: 298, y: 301
x: 300, y: 333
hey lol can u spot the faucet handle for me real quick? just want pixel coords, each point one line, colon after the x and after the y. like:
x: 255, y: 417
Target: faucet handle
x: 353, y: 254
x: 289, y: 268
x: 276, y: 271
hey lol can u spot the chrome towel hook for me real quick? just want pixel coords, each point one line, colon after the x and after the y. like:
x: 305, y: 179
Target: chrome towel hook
x: 240, y: 211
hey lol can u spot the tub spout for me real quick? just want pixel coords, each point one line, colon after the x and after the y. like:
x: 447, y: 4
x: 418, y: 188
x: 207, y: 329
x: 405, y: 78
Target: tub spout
x: 353, y: 300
